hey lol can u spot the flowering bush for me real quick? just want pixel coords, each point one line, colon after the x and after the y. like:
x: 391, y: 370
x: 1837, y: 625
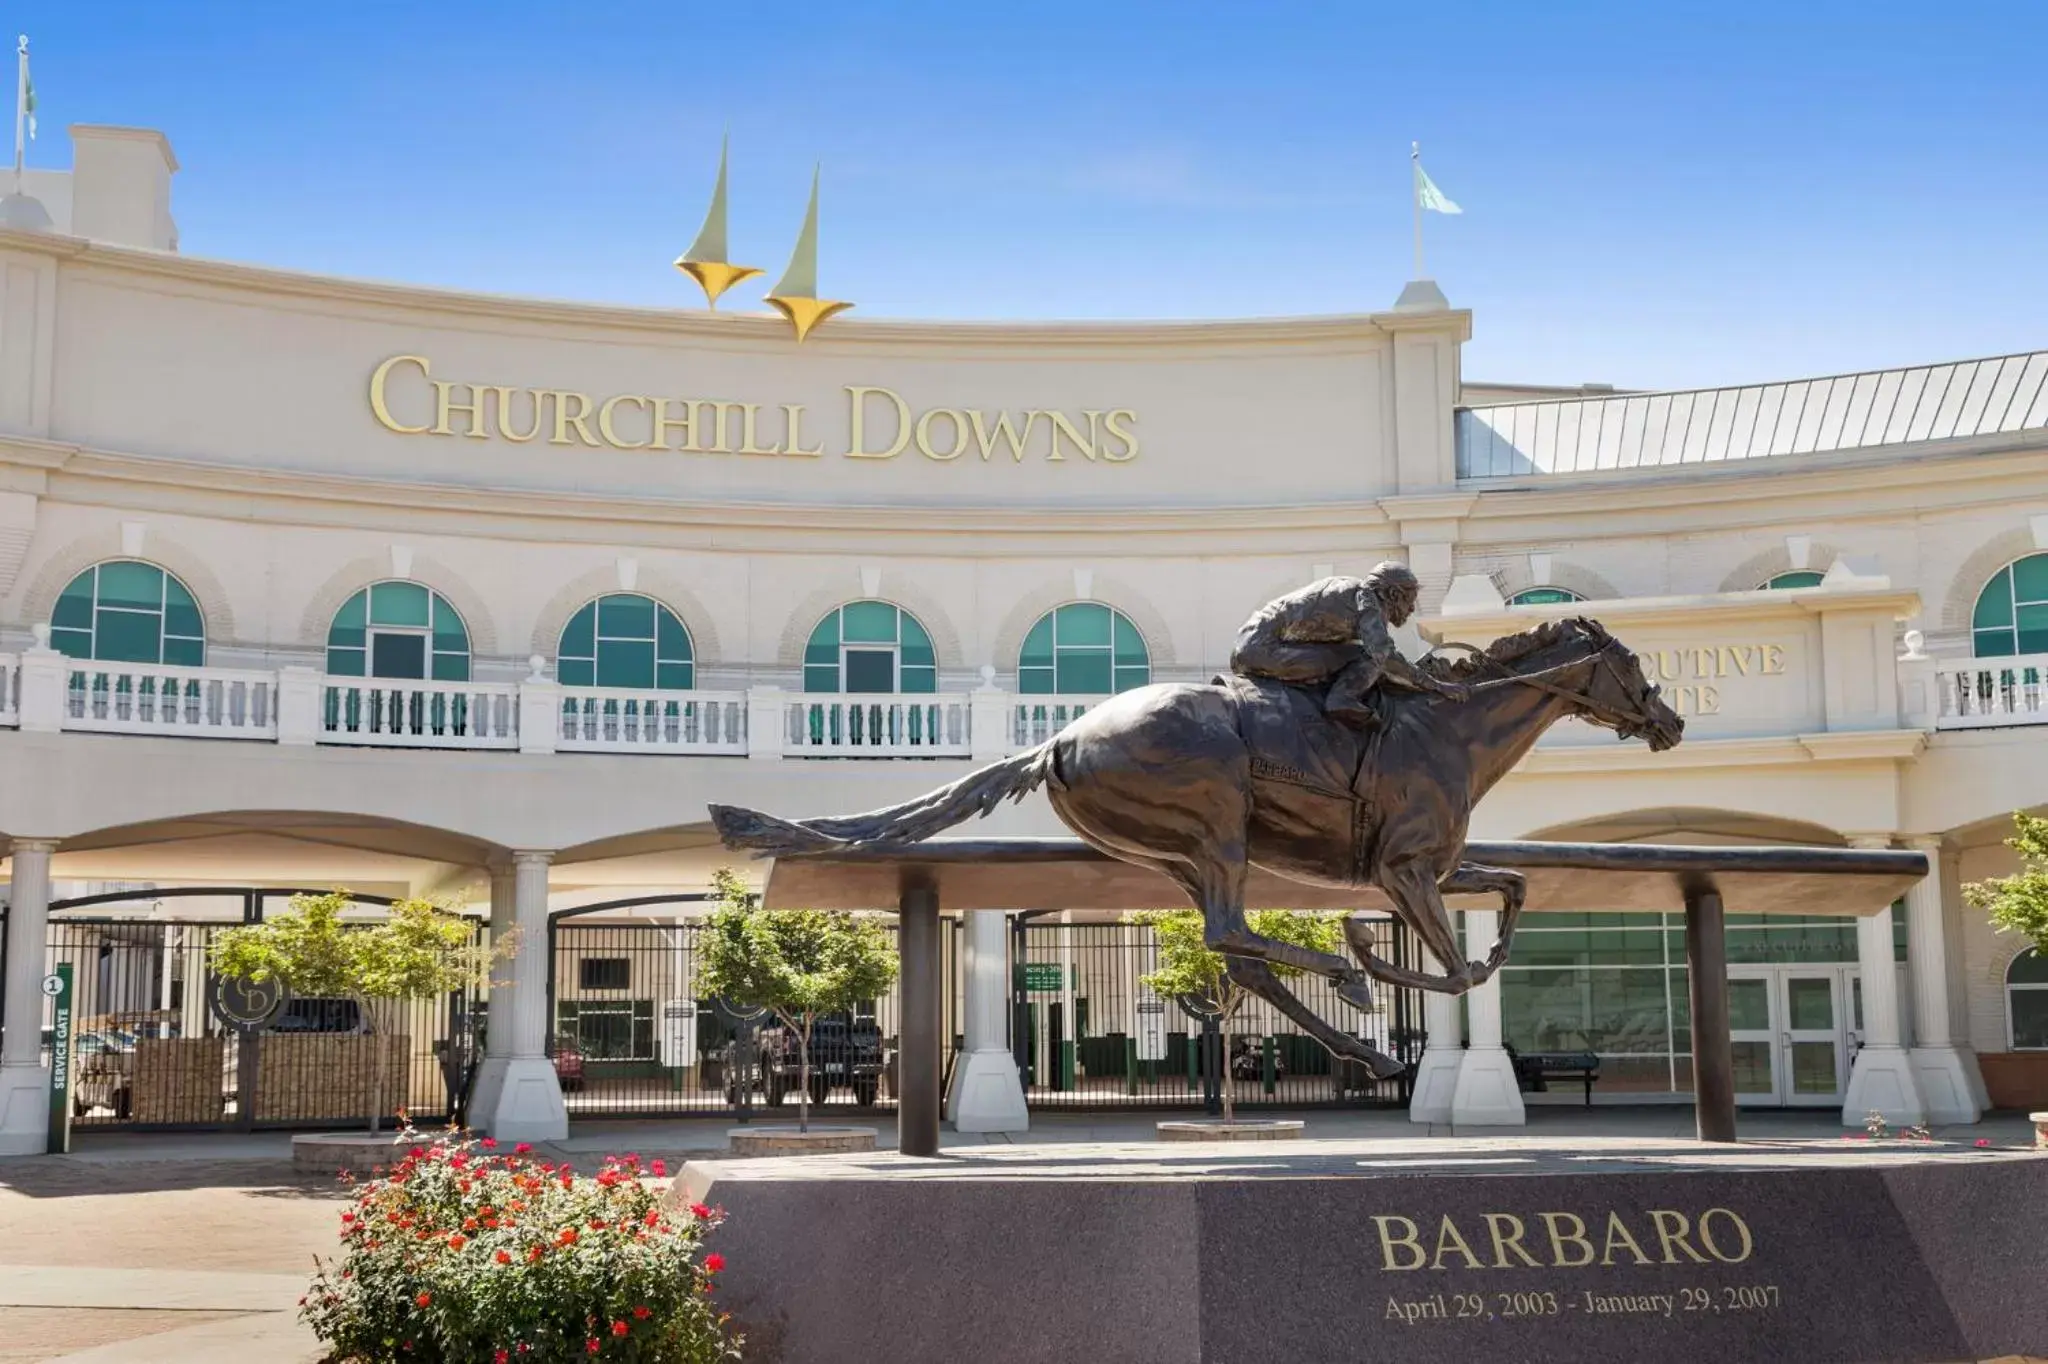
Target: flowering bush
x: 465, y: 1255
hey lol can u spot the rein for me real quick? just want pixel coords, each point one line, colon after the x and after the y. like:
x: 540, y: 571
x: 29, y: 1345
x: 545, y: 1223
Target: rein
x: 1536, y: 680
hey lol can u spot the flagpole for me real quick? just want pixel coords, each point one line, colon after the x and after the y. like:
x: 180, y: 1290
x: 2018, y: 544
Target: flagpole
x: 20, y: 107
x: 1414, y: 192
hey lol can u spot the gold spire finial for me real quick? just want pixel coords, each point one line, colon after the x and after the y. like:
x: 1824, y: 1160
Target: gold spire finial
x: 795, y: 295
x: 706, y: 261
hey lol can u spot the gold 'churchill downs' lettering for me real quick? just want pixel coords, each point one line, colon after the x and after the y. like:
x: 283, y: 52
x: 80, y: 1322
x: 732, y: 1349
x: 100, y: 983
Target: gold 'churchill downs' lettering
x: 879, y: 424
x: 1563, y: 1240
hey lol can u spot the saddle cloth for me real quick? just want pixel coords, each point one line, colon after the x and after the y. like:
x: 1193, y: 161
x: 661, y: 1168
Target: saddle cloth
x: 1292, y: 742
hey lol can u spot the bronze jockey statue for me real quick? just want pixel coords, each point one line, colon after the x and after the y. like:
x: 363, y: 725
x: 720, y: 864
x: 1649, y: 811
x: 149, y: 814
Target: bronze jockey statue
x: 1334, y: 632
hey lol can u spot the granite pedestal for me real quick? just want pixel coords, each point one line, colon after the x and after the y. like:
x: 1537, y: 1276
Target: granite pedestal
x: 1586, y: 1250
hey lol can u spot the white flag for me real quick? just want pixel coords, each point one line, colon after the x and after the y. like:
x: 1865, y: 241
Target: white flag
x: 1428, y: 196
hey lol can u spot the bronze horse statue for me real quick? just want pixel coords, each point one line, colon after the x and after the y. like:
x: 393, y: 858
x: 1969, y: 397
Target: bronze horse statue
x: 1202, y: 782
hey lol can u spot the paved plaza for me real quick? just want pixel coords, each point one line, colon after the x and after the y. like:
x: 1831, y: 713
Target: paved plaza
x: 171, y: 1248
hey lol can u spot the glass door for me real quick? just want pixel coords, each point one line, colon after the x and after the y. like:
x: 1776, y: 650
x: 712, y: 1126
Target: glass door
x: 1812, y: 1036
x: 1753, y: 1033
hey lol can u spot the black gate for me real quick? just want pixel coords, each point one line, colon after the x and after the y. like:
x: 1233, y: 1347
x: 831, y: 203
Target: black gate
x: 630, y: 1038
x: 1087, y: 1034
x: 158, y: 1044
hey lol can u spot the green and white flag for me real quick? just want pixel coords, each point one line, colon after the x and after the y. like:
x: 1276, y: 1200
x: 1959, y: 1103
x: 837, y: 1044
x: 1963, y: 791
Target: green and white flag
x: 1428, y: 196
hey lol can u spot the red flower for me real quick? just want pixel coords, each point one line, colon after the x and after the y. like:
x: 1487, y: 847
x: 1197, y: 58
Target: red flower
x: 593, y: 1345
x: 348, y: 1217
x: 1983, y: 1141
x: 653, y: 1216
x: 489, y: 1143
x: 699, y: 1210
x: 597, y: 1224
x: 469, y: 1224
x: 641, y: 1313
x: 502, y: 1357
x: 620, y: 1328
x: 660, y: 1168
x: 457, y: 1242
x: 505, y: 1257
x: 568, y: 1236
x: 523, y: 1148
x: 534, y: 1254
x: 712, y: 1264
x: 424, y: 1298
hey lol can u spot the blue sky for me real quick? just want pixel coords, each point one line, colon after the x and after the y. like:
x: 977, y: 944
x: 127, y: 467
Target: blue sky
x: 1656, y: 195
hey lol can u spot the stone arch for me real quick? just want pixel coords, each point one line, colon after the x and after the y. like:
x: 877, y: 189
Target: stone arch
x: 1026, y: 611
x: 897, y: 589
x: 358, y: 574
x: 1758, y: 569
x: 579, y: 591
x: 1960, y: 604
x: 166, y: 553
x: 1513, y: 577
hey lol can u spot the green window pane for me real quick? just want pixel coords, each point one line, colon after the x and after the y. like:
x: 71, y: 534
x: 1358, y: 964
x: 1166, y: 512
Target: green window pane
x: 2028, y: 968
x: 625, y: 663
x: 1082, y: 623
x: 625, y: 616
x: 1811, y: 1002
x: 450, y: 635
x: 818, y: 655
x: 576, y: 672
x: 1035, y: 681
x: 675, y: 676
x: 345, y: 662
x: 1083, y: 672
x: 183, y: 620
x: 342, y: 637
x: 1130, y: 646
x: 920, y: 681
x: 868, y: 622
x: 918, y: 656
x: 190, y: 653
x: 399, y: 604
x: 826, y: 633
x: 128, y: 636
x: 1786, y: 581
x: 354, y: 613
x: 579, y: 636
x: 398, y: 656
x: 2033, y: 628
x: 1994, y: 643
x: 451, y: 667
x: 870, y: 671
x: 1037, y: 650
x: 821, y: 678
x: 1126, y: 678
x: 2029, y: 1019
x: 1994, y: 603
x: 1898, y: 913
x: 125, y: 583
x: 2029, y: 578
x: 1749, y: 1005
x: 72, y: 643
x: 1542, y: 596
x: 913, y: 632
x: 74, y: 609
x: 672, y: 641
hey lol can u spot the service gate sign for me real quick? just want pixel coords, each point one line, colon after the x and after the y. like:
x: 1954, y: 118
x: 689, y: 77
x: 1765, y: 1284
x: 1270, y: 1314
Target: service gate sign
x: 1151, y: 1028
x: 58, y: 987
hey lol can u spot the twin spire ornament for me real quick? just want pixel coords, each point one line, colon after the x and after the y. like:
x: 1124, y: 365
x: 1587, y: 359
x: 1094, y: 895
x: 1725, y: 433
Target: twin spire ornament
x: 795, y: 295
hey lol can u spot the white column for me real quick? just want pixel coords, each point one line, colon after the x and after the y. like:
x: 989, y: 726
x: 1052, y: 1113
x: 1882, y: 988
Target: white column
x: 987, y: 1095
x: 490, y: 1077
x: 1949, y: 1079
x: 767, y: 723
x: 1436, y: 1074
x: 1487, y: 1094
x: 39, y: 704
x: 540, y: 708
x: 298, y: 706
x: 529, y: 1105
x: 1881, y: 1080
x: 24, y: 1081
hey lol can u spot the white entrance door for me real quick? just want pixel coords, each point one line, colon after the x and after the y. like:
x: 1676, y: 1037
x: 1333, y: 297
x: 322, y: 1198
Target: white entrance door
x: 1790, y: 1030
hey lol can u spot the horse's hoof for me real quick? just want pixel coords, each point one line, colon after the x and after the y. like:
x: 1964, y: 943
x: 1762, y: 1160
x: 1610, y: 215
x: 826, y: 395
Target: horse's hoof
x: 1382, y: 1066
x: 1358, y: 937
x: 1357, y: 992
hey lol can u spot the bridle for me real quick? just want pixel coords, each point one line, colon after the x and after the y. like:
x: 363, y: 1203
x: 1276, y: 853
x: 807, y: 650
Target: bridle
x: 1627, y: 726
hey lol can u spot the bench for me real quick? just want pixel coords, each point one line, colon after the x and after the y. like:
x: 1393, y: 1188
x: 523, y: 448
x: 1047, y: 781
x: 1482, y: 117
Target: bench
x: 1535, y: 1070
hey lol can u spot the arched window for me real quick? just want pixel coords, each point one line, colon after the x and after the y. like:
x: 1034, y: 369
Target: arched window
x: 1082, y: 649
x: 1544, y: 596
x: 626, y: 640
x: 400, y: 630
x: 1797, y: 578
x: 2012, y: 610
x: 870, y: 646
x: 126, y: 611
x: 2026, y: 1000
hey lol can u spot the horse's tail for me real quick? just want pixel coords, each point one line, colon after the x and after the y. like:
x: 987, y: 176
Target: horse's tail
x: 977, y: 793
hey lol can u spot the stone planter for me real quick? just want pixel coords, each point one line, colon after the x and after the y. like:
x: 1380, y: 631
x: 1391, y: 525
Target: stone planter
x: 356, y: 1152
x: 787, y: 1141
x: 2040, y: 1121
x: 1245, y: 1129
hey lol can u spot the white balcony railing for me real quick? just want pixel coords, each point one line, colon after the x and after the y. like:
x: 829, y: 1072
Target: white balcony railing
x: 161, y: 698
x: 935, y: 726
x: 407, y: 714
x: 1034, y: 719
x: 1985, y: 693
x: 10, y: 690
x: 607, y: 720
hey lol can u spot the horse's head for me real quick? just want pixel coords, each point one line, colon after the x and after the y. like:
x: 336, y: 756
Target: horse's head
x: 1618, y: 696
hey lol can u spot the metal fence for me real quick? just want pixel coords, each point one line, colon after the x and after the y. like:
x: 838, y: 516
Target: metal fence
x: 1088, y: 1034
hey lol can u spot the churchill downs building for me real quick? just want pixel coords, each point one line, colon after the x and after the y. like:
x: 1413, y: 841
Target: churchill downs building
x: 309, y: 582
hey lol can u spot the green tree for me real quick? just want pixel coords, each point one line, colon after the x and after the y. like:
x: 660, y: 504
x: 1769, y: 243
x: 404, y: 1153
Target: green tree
x: 797, y: 963
x: 419, y: 951
x: 1189, y: 970
x: 2019, y: 903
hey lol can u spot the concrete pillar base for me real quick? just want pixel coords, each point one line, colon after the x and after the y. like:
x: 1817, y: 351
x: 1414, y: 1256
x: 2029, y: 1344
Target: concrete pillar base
x: 1949, y: 1080
x: 987, y: 1096
x: 24, y: 1110
x: 1973, y: 1073
x: 1487, y: 1094
x: 1882, y: 1082
x: 489, y: 1087
x: 1436, y: 1084
x: 529, y: 1106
